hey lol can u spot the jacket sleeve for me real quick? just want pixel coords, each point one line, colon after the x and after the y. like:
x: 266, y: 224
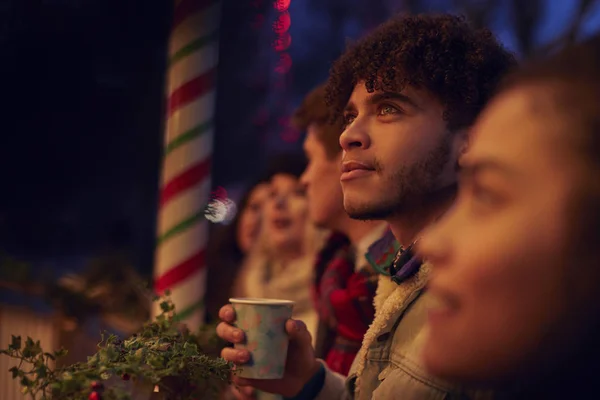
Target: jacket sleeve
x: 325, y: 385
x: 334, y: 387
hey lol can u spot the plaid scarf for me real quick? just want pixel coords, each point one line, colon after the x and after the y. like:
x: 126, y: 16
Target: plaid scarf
x: 344, y: 301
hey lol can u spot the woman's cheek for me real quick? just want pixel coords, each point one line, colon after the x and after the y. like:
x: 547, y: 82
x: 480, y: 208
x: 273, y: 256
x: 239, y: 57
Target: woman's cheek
x: 300, y: 208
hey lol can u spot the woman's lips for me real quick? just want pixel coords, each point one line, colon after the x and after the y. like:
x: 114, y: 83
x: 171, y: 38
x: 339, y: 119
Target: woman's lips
x: 282, y: 223
x: 443, y: 306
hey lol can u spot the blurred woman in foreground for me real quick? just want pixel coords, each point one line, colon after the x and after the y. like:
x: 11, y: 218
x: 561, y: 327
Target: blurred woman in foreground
x: 516, y: 261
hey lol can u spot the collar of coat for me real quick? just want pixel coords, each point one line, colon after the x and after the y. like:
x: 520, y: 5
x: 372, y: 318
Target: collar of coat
x: 390, y: 299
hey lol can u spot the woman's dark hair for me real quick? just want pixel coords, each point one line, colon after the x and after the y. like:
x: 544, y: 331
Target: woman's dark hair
x: 224, y: 258
x: 224, y: 255
x: 574, y: 77
x: 570, y: 83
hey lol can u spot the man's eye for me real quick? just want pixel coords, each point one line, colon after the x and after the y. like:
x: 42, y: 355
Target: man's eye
x: 387, y: 109
x: 348, y: 118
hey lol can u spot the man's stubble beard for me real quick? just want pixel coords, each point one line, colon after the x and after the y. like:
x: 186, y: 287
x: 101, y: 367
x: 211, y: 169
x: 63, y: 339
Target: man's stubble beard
x: 409, y: 187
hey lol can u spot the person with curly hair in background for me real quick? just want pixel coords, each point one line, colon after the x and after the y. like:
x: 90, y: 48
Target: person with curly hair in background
x: 345, y: 281
x: 409, y: 92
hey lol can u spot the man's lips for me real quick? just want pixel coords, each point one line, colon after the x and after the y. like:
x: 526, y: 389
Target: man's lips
x: 355, y: 169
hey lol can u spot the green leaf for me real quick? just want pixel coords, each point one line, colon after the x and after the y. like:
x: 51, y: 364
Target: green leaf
x: 15, y: 343
x: 61, y: 352
x: 42, y: 372
x: 15, y: 372
x: 32, y: 348
x: 164, y: 306
x: 25, y: 381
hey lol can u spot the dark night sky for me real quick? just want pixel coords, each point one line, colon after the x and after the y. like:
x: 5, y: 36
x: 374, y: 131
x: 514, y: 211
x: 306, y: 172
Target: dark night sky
x: 82, y: 114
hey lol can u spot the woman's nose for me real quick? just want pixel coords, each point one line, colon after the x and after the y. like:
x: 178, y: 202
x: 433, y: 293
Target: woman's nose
x: 280, y: 201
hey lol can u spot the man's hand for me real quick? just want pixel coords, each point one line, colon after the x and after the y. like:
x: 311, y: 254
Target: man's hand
x: 301, y: 363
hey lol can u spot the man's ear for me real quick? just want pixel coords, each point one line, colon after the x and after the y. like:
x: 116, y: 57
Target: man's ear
x: 460, y: 142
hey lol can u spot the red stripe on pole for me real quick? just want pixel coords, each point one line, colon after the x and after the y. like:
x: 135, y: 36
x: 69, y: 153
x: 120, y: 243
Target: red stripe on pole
x: 191, y: 90
x: 185, y: 180
x: 188, y: 7
x: 180, y: 272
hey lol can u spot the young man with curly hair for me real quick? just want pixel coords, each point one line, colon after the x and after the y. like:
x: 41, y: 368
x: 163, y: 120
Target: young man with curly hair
x: 409, y: 92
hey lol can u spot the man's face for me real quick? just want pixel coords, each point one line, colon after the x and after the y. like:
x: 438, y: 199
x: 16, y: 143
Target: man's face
x: 396, y: 151
x: 322, y: 181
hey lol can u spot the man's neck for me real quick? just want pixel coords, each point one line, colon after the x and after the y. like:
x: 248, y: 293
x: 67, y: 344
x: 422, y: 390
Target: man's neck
x: 356, y: 230
x: 407, y: 225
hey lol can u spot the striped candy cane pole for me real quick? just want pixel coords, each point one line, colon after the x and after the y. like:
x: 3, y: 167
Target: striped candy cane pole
x: 185, y: 183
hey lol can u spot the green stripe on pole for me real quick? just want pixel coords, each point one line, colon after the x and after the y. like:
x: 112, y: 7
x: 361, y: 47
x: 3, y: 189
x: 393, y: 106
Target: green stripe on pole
x: 192, y: 47
x: 187, y: 136
x: 180, y: 227
x: 186, y: 313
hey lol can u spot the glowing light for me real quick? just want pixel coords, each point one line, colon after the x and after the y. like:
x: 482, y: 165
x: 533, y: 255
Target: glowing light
x: 219, y: 193
x: 283, y: 23
x: 284, y: 64
x: 282, y: 42
x: 220, y: 211
x: 281, y: 5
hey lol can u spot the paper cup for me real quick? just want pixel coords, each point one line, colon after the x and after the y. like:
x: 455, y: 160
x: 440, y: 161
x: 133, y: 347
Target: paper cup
x: 263, y: 323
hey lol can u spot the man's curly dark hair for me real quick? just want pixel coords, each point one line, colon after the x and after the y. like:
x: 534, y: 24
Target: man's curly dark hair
x: 443, y: 54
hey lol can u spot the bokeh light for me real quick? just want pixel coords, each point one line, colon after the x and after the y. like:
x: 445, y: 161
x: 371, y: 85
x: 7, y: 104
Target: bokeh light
x: 282, y: 23
x: 281, y: 5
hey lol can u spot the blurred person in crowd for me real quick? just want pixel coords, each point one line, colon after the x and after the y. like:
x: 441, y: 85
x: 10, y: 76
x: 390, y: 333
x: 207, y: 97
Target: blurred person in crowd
x: 516, y: 262
x: 280, y: 265
x: 231, y: 244
x: 345, y: 283
x: 409, y: 92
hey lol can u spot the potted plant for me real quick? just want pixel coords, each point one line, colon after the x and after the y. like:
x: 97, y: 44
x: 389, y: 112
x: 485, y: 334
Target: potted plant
x: 163, y: 361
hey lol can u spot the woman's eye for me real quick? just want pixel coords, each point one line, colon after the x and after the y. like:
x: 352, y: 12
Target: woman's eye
x: 484, y: 197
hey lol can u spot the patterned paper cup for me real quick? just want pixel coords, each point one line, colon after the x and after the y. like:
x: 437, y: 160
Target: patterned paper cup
x: 263, y: 323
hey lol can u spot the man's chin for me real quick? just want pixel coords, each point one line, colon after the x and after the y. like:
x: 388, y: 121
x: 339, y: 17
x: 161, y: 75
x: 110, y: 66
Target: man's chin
x: 369, y: 214
x: 370, y: 209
